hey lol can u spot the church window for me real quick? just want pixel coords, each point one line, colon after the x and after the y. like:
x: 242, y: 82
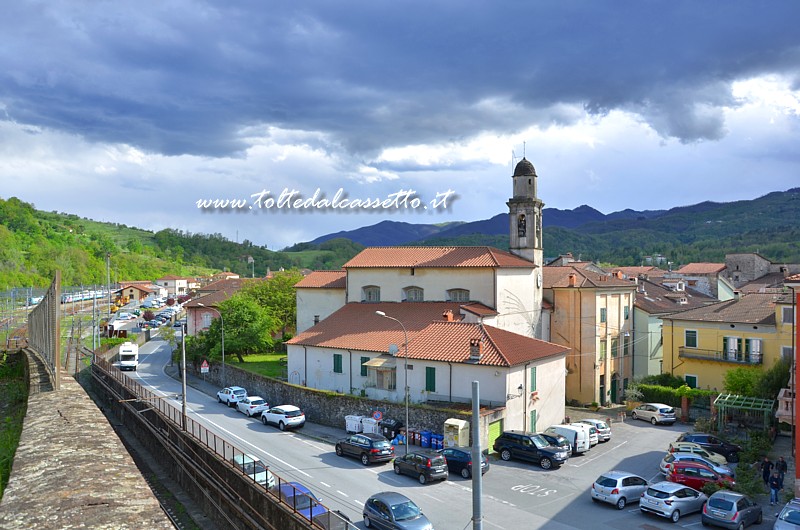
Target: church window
x: 371, y: 293
x: 458, y: 295
x: 413, y: 294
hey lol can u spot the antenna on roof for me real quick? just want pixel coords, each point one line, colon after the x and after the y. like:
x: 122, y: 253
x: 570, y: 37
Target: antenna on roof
x: 523, y: 149
x: 513, y: 159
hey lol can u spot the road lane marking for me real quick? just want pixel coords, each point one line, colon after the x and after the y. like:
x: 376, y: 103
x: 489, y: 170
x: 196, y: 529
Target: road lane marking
x: 437, y: 499
x: 343, y: 494
x: 324, y: 484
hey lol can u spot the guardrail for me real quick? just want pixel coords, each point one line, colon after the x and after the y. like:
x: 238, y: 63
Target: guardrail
x: 169, y: 420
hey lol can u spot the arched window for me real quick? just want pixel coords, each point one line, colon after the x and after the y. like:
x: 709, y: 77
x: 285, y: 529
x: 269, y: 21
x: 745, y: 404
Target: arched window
x: 413, y: 294
x: 371, y: 293
x: 458, y: 295
x: 521, y: 226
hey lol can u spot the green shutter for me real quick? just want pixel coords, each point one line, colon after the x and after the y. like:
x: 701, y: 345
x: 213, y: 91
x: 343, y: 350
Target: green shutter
x: 602, y: 314
x: 627, y: 312
x: 533, y: 379
x: 532, y: 426
x: 430, y: 379
x: 337, y: 363
x: 364, y: 368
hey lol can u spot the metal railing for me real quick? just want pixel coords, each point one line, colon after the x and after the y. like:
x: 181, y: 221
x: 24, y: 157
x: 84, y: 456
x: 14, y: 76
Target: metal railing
x: 166, y: 417
x: 734, y: 357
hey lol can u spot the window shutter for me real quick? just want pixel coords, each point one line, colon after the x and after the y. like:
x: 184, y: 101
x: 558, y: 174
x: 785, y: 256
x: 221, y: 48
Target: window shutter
x: 430, y: 379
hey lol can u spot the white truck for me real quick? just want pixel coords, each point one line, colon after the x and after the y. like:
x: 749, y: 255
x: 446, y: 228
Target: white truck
x: 128, y: 356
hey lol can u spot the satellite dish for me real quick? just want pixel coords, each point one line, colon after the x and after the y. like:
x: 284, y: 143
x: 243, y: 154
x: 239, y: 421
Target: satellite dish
x: 393, y: 349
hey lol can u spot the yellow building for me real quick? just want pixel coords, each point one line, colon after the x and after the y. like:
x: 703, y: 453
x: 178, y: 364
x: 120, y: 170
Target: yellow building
x: 753, y: 330
x: 592, y: 313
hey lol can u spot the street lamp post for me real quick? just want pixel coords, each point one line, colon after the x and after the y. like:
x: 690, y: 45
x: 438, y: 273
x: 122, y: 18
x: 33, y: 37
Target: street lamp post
x: 405, y: 369
x: 222, y: 328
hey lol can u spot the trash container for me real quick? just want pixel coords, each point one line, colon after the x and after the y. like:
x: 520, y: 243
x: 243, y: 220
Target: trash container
x: 425, y: 439
x: 456, y: 433
x: 353, y: 424
x: 390, y: 427
x: 370, y: 425
x: 437, y: 441
x: 413, y: 437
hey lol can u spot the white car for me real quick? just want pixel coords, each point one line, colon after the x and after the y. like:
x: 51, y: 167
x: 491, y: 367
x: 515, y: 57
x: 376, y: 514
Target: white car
x: 603, y: 430
x: 284, y: 416
x: 655, y: 413
x: 231, y: 395
x: 256, y: 469
x: 252, y: 406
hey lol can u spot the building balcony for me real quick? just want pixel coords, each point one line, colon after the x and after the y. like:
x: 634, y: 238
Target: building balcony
x: 721, y: 356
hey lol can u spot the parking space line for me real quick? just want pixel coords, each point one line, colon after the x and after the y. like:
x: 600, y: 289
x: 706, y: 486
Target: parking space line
x: 585, y: 461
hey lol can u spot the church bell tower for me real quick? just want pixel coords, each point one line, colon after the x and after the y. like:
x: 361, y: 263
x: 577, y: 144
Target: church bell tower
x: 525, y: 215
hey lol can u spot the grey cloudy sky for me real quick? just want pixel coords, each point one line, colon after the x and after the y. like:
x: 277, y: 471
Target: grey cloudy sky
x: 132, y: 112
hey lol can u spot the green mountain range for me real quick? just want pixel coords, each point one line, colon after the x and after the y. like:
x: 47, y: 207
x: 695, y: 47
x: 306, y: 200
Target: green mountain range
x: 33, y: 243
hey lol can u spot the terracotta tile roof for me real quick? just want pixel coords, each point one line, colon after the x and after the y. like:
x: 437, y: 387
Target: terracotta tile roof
x: 356, y: 326
x: 749, y: 309
x: 324, y: 280
x: 227, y: 284
x: 773, y: 280
x: 634, y: 272
x: 553, y: 277
x: 477, y: 308
x: 142, y: 286
x: 701, y: 268
x: 655, y: 299
x: 224, y: 290
x: 435, y: 257
x: 450, y: 342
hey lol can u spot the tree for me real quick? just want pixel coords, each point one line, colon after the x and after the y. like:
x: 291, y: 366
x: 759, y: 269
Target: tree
x: 278, y: 296
x: 773, y: 380
x: 742, y: 381
x: 248, y: 328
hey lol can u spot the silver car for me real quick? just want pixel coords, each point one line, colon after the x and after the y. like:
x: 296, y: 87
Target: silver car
x: 671, y: 500
x: 394, y: 511
x: 618, y: 488
x: 254, y: 468
x: 655, y: 413
x: 789, y: 518
x: 603, y: 430
x: 669, y: 458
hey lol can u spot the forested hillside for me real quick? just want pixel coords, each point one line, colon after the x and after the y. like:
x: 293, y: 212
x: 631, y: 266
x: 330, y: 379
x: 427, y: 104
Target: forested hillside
x: 34, y: 244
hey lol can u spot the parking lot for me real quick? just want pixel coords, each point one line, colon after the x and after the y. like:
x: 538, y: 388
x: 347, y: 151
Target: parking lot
x: 560, y: 498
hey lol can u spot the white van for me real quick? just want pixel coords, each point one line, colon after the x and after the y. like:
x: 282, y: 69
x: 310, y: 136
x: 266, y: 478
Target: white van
x: 128, y: 356
x: 593, y: 437
x: 578, y: 437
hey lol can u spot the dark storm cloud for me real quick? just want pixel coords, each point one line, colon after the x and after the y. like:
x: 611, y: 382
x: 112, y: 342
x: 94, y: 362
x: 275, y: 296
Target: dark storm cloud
x: 190, y: 77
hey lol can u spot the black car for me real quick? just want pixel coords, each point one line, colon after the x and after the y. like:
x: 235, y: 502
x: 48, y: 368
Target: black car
x: 713, y: 443
x: 556, y: 440
x: 459, y: 460
x: 424, y: 464
x: 368, y: 447
x: 529, y: 446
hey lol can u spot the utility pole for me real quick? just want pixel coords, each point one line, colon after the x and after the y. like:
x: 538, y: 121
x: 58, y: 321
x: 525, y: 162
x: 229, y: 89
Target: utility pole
x: 108, y: 280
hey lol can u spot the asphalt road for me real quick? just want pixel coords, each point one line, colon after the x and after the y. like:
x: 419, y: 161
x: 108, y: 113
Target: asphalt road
x: 516, y: 495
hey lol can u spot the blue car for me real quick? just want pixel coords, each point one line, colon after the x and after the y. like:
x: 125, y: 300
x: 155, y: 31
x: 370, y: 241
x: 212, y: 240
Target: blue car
x: 300, y: 498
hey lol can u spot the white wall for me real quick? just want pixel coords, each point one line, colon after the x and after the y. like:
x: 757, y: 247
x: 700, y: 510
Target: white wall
x: 435, y: 283
x: 516, y: 301
x: 316, y: 301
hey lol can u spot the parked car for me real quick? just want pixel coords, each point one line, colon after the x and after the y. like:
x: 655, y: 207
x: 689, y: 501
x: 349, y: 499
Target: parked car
x: 557, y: 440
x: 696, y: 475
x: 713, y: 443
x: 424, y: 464
x: 655, y: 413
x: 733, y: 510
x: 671, y: 500
x: 789, y: 518
x: 459, y: 460
x: 367, y: 447
x: 284, y: 417
x: 390, y: 510
x: 256, y: 469
x: 691, y: 447
x: 594, y: 437
x: 231, y: 395
x: 529, y: 446
x: 252, y: 406
x: 603, y: 429
x: 578, y: 438
x: 301, y: 500
x: 669, y: 458
x: 618, y: 488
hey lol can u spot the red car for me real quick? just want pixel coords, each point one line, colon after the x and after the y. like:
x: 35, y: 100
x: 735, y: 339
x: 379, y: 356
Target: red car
x: 696, y: 475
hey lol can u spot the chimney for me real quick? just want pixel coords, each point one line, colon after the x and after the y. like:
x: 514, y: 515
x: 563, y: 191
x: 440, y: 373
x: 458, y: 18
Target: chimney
x: 737, y: 295
x: 619, y: 275
x: 448, y: 316
x: 475, y: 347
x: 573, y: 279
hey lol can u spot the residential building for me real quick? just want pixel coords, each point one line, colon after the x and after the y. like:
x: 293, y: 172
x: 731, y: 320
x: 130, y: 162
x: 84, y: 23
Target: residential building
x: 137, y: 291
x: 655, y: 298
x: 592, y: 315
x: 702, y: 344
x: 707, y: 278
x: 748, y: 267
x: 787, y: 403
x: 175, y: 285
